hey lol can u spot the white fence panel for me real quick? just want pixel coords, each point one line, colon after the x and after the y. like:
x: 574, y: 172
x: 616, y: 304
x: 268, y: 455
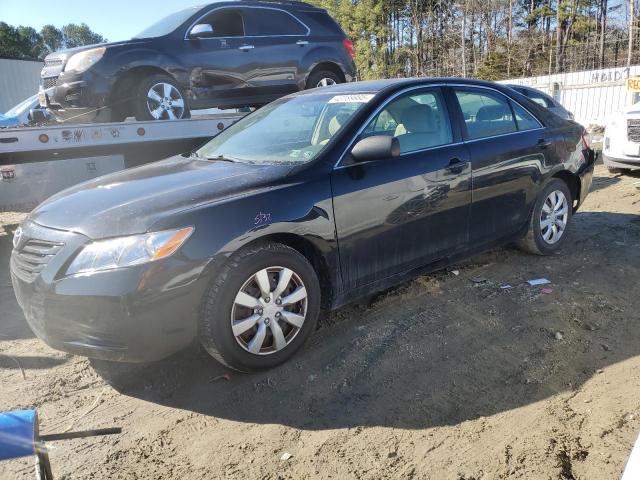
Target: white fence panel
x: 591, y: 95
x: 19, y: 79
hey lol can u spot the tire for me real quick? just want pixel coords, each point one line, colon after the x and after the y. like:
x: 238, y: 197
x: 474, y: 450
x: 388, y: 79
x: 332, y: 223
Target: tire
x: 316, y: 78
x: 220, y: 309
x: 534, y: 241
x: 143, y: 105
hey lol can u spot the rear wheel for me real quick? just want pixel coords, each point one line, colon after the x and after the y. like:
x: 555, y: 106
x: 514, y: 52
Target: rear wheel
x: 158, y: 97
x: 261, y: 308
x: 549, y: 220
x: 322, y: 78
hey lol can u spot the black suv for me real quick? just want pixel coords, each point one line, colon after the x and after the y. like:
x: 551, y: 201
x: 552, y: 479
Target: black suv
x: 228, y: 54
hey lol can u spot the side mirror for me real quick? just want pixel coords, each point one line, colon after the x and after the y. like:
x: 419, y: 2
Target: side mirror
x: 201, y: 30
x: 377, y: 147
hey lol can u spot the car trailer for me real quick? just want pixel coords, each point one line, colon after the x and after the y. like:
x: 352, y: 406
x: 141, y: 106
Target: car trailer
x: 36, y: 162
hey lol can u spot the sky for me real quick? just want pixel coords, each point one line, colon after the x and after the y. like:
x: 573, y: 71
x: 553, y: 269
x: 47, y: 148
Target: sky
x: 115, y: 19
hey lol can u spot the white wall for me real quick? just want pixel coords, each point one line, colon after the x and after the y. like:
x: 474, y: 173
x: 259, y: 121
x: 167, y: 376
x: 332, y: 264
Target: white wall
x: 591, y: 95
x: 19, y: 79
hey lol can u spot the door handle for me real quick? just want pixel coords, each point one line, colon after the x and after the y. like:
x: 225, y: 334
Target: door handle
x: 302, y: 43
x: 456, y: 166
x: 246, y: 48
x: 544, y: 143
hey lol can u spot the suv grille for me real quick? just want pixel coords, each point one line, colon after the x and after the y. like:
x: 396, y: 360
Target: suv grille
x: 31, y: 259
x: 633, y: 130
x: 53, y: 62
x: 49, y: 82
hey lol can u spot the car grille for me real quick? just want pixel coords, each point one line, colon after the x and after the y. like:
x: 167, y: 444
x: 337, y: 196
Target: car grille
x: 633, y: 130
x: 49, y: 82
x: 32, y: 257
x: 53, y: 62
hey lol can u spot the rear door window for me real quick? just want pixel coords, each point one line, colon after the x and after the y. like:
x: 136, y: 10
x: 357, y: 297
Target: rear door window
x: 485, y: 113
x: 272, y: 22
x: 525, y: 120
x: 225, y: 23
x: 417, y: 120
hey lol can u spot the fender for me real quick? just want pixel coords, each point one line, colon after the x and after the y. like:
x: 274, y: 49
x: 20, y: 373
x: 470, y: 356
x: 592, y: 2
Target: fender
x: 262, y: 215
x: 315, y: 57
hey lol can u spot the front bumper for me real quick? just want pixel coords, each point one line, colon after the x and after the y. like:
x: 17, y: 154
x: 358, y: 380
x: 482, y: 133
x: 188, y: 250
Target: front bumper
x: 76, y: 96
x: 134, y: 314
x: 621, y: 161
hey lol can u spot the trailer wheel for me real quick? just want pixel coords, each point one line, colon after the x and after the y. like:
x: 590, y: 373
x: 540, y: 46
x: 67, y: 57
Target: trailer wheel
x: 158, y: 97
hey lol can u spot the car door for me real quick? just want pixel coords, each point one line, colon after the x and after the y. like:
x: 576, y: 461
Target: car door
x: 220, y: 61
x: 398, y: 214
x: 280, y: 40
x: 509, y: 149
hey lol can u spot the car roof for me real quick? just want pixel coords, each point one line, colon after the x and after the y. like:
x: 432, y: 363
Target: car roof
x: 278, y: 3
x: 378, y: 86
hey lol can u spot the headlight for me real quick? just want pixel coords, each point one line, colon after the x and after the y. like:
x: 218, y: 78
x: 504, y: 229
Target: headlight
x: 127, y: 251
x: 81, y: 62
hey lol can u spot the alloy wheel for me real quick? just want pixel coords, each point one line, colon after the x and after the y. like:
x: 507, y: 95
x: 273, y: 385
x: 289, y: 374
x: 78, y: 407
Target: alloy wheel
x: 554, y: 216
x: 164, y: 101
x: 326, y: 82
x: 269, y: 310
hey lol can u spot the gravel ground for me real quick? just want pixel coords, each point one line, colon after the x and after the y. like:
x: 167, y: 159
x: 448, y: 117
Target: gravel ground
x: 441, y: 378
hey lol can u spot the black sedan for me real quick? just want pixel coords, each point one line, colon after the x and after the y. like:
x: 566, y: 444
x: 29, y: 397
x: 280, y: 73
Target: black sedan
x: 312, y: 201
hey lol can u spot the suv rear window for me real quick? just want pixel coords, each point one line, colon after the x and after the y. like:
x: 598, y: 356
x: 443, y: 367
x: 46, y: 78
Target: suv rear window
x: 324, y: 21
x: 267, y: 21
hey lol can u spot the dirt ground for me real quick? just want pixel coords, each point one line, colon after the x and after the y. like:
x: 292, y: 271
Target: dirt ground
x: 441, y: 378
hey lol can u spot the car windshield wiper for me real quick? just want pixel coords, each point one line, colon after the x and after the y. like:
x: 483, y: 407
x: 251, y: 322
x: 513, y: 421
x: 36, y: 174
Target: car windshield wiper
x: 224, y: 158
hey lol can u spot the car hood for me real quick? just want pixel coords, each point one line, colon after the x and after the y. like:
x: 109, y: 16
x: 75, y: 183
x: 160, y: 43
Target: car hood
x: 131, y: 201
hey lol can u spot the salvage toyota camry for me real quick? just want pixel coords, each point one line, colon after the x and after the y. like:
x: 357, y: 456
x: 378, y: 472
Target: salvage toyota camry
x: 308, y: 203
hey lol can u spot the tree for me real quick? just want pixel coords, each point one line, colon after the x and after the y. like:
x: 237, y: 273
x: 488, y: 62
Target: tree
x: 52, y: 38
x: 80, y: 35
x: 10, y: 42
x: 26, y: 43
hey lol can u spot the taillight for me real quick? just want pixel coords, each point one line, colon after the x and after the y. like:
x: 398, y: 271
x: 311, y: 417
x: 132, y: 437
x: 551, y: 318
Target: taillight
x: 586, y: 140
x: 348, y: 46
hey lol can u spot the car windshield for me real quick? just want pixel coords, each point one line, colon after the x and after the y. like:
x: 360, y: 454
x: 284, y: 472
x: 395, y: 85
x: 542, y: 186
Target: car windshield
x: 167, y: 24
x: 288, y: 131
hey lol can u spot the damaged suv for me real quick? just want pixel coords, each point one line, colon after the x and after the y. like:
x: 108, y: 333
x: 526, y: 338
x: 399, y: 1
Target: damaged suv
x: 228, y: 54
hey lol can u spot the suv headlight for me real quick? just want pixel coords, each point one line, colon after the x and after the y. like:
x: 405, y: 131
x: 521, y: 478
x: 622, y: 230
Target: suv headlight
x: 127, y: 251
x: 81, y: 62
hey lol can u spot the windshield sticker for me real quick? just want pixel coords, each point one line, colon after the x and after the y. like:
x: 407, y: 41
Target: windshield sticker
x: 357, y: 98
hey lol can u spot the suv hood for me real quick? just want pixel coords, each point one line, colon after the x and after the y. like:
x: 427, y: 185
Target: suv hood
x: 131, y: 201
x: 66, y: 54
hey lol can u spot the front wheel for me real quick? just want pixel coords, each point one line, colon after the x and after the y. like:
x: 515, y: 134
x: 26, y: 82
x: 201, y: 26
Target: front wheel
x: 549, y: 220
x: 158, y: 97
x: 261, y: 308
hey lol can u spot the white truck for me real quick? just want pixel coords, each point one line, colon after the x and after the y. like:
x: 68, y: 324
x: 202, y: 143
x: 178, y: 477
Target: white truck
x: 36, y: 162
x: 621, y: 146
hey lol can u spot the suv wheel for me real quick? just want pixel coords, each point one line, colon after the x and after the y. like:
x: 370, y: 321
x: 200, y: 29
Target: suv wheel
x: 261, y: 308
x: 159, y: 98
x: 322, y: 78
x: 549, y: 220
